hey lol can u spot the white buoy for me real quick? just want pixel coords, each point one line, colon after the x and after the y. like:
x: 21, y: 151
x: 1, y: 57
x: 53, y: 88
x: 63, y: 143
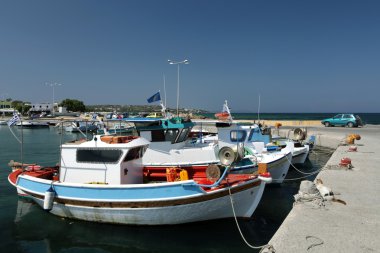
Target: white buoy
x: 266, y: 178
x: 49, y: 199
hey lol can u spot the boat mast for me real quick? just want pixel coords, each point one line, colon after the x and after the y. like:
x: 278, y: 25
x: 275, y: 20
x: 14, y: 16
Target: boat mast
x: 258, y: 110
x: 164, y: 90
x: 22, y: 144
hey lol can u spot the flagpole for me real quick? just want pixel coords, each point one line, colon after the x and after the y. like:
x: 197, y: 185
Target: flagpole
x: 165, y: 90
x: 258, y: 110
x: 22, y: 145
x: 10, y: 123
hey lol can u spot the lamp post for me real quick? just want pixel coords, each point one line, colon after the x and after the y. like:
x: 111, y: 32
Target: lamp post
x: 3, y: 102
x: 53, y: 86
x: 178, y: 63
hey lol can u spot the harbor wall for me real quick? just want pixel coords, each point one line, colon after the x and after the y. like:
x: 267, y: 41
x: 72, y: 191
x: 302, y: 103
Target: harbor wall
x: 291, y: 123
x: 331, y: 226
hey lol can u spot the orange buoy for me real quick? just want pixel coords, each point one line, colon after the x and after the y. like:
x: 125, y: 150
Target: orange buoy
x: 171, y: 174
x: 183, y: 175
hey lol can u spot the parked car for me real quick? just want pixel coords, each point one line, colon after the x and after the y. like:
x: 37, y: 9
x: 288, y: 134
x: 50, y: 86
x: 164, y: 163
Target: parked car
x: 155, y: 115
x: 349, y: 120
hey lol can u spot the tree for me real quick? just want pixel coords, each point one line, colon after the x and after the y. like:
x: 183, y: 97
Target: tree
x: 20, y: 106
x: 73, y: 105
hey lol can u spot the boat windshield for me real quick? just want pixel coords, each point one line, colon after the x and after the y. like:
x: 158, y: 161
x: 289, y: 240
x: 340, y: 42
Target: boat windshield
x: 238, y: 135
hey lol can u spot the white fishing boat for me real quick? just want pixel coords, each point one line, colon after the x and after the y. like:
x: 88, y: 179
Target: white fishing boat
x: 81, y: 126
x: 102, y: 180
x: 301, y: 149
x: 170, y: 146
x: 261, y: 139
x: 32, y: 124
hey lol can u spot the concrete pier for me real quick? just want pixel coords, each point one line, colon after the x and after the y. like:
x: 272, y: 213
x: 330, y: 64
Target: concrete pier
x: 336, y: 227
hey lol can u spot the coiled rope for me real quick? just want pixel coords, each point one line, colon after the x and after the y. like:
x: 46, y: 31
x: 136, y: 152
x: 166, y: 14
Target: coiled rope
x: 262, y: 247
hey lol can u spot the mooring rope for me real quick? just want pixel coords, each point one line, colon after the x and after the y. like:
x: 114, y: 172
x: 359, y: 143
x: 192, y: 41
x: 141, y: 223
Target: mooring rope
x: 320, y: 151
x: 298, y: 178
x: 262, y: 247
x: 305, y: 173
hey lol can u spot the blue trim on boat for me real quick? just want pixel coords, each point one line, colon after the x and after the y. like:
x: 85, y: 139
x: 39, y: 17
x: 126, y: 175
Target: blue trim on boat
x: 104, y: 192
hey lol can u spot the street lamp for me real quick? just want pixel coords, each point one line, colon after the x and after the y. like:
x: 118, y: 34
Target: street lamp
x: 178, y: 63
x: 53, y: 86
x: 3, y: 102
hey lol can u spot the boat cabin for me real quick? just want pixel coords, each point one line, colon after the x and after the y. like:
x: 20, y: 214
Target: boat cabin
x: 230, y: 134
x: 174, y: 130
x: 104, y: 160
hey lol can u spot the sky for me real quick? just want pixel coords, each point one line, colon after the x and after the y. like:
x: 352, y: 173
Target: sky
x: 295, y: 55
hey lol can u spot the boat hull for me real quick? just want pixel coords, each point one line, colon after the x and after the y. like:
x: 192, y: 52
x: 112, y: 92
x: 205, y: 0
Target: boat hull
x: 277, y: 166
x: 185, y: 202
x: 300, y: 156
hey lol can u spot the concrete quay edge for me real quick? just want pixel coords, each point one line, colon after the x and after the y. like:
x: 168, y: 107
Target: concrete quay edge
x: 354, y: 227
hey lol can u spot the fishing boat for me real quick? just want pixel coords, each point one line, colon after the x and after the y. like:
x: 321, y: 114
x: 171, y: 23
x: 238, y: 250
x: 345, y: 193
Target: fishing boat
x: 225, y: 114
x: 261, y: 139
x: 102, y: 180
x: 32, y: 124
x: 253, y: 135
x: 81, y: 126
x: 171, y: 146
x: 116, y: 129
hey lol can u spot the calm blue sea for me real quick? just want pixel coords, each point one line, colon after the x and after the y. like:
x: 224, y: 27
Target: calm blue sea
x: 367, y: 118
x: 27, y: 228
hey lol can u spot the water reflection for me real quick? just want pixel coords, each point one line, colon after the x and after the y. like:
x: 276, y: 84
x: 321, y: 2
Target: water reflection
x: 39, y: 232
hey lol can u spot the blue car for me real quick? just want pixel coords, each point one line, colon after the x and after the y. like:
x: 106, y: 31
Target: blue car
x: 349, y: 120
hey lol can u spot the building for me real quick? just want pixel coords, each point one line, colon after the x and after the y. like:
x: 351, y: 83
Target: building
x: 6, y: 107
x: 41, y: 107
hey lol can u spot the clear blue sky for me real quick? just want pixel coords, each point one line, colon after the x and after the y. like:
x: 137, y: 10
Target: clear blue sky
x: 301, y: 56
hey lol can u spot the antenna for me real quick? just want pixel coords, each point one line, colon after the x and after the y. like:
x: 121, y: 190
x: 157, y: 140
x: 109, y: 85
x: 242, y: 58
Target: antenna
x: 258, y: 110
x: 164, y: 90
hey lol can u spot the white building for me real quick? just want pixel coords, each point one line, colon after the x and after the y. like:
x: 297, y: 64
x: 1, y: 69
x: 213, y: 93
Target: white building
x: 42, y: 107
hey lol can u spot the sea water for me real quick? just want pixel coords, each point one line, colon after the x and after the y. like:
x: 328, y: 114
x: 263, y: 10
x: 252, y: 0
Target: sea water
x: 25, y: 227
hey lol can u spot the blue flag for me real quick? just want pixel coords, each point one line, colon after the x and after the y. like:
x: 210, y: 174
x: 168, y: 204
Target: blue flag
x: 154, y: 98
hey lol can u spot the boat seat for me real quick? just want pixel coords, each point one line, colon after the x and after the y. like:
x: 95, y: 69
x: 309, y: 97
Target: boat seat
x: 159, y: 173
x: 117, y: 139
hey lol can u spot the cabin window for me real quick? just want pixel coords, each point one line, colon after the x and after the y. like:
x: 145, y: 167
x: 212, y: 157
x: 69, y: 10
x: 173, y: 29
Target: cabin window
x: 183, y: 135
x: 171, y: 135
x: 255, y: 130
x: 238, y: 135
x: 165, y: 135
x: 98, y: 155
x: 158, y: 135
x: 135, y: 153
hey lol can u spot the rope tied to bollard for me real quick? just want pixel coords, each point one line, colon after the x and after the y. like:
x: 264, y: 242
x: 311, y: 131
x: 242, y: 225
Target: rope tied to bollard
x: 268, y: 247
